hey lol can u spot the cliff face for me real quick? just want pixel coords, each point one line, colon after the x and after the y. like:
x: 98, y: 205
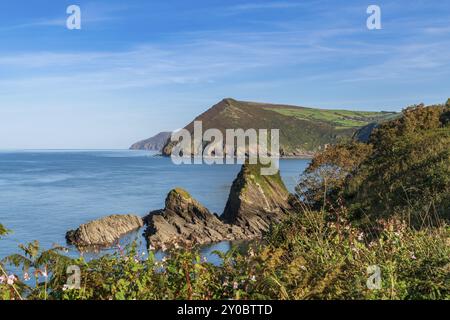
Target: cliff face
x: 303, y: 131
x: 155, y: 143
x: 103, y: 232
x: 255, y: 202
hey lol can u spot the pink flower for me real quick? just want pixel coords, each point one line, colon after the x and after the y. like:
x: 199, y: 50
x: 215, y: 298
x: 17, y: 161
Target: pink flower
x: 2, y: 279
x: 235, y: 285
x: 413, y: 256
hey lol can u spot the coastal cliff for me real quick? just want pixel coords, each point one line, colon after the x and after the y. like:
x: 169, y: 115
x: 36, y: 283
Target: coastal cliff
x: 155, y: 143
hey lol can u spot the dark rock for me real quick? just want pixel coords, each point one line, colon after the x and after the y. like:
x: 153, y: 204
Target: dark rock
x: 256, y: 201
x: 185, y: 221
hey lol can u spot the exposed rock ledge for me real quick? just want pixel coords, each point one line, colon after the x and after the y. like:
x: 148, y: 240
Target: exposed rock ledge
x: 255, y: 202
x: 105, y: 231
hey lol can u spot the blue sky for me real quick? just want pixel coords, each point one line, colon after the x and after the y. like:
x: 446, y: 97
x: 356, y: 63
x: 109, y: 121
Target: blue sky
x: 139, y: 67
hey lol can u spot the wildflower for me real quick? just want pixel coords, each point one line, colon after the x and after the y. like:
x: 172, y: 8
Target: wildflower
x: 235, y: 285
x: 164, y: 259
x: 44, y: 273
x: 413, y: 256
x: 26, y: 276
x: 163, y: 248
x: 143, y: 253
x: 2, y: 279
x: 176, y: 246
x: 361, y: 236
x: 65, y: 287
x: 303, y: 268
x: 253, y: 278
x: 205, y: 259
x: 11, y: 279
x: 151, y: 248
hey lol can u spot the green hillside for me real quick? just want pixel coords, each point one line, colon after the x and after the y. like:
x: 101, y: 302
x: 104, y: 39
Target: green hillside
x: 403, y: 170
x: 303, y: 131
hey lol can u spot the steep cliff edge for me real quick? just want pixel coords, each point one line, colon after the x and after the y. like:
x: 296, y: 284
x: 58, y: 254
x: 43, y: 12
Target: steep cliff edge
x: 256, y: 201
x: 155, y: 143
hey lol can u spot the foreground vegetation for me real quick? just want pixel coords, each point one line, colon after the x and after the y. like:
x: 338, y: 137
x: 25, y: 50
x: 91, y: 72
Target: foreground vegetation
x: 373, y: 225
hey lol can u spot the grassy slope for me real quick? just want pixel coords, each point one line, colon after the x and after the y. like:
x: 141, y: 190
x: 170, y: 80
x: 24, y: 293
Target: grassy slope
x: 302, y: 130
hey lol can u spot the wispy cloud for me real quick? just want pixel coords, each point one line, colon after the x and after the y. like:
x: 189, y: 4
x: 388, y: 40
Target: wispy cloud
x: 264, y: 5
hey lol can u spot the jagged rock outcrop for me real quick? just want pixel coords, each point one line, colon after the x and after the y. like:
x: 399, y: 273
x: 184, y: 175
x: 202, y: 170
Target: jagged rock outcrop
x: 256, y: 201
x: 185, y: 221
x: 105, y: 231
x: 155, y: 143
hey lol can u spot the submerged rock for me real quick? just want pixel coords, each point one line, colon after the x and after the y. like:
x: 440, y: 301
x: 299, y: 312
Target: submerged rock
x: 185, y: 221
x: 105, y: 231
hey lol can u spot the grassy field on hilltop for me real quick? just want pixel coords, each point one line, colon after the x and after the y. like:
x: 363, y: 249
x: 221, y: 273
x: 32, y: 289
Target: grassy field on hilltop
x: 337, y: 118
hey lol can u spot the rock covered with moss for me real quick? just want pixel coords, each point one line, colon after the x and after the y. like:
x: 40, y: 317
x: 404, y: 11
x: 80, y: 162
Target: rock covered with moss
x: 256, y: 201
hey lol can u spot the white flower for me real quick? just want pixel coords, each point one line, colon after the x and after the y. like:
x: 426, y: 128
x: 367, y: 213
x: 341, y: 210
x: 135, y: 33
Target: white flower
x: 235, y: 285
x: 11, y: 279
x: 2, y: 279
x: 253, y: 278
x: 44, y: 273
x: 151, y: 248
x: 65, y: 287
x: 303, y: 268
x: 143, y: 253
x: 163, y: 248
x: 26, y: 276
x: 361, y: 236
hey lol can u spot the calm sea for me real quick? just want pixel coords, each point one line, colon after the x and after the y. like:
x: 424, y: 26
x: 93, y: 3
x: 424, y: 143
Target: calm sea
x: 45, y: 193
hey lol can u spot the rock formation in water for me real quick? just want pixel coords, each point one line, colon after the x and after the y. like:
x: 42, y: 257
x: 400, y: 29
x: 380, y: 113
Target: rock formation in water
x: 185, y: 221
x: 155, y: 143
x: 257, y: 201
x: 254, y: 203
x: 105, y: 231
